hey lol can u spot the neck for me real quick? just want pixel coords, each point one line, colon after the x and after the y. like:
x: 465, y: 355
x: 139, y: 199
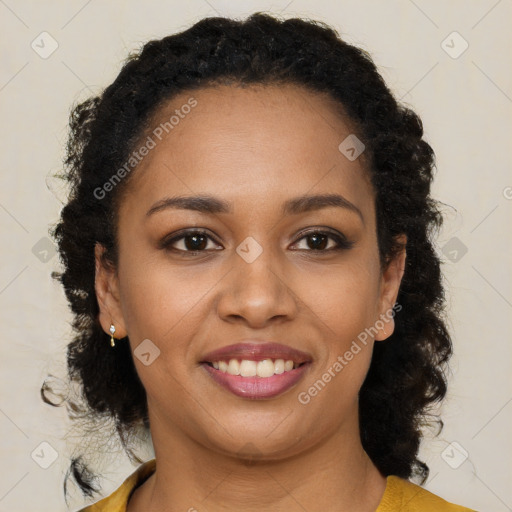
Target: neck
x: 192, y: 477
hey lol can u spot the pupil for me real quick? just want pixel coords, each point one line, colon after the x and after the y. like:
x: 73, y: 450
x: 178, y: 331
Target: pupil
x: 196, y: 244
x: 316, y: 237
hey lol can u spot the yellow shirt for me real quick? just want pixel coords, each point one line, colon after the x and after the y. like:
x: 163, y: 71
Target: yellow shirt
x: 400, y: 495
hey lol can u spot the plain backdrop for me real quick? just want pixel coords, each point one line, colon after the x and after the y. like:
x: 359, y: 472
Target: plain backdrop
x: 448, y: 60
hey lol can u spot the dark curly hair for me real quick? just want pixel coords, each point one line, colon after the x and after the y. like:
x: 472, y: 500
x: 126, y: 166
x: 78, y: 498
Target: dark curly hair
x: 407, y: 373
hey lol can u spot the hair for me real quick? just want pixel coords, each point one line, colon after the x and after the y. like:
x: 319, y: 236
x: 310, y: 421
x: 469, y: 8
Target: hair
x: 407, y: 373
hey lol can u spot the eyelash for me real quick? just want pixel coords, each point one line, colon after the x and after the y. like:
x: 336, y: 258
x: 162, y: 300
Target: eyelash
x: 341, y: 241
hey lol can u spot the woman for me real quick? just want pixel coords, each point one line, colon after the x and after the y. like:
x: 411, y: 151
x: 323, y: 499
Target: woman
x: 247, y: 250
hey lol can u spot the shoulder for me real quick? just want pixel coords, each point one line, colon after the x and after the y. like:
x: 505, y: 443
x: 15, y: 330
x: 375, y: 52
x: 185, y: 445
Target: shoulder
x: 405, y: 496
x: 118, y: 500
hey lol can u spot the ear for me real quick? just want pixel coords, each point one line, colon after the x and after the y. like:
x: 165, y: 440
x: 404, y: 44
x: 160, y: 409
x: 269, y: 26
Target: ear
x: 389, y: 287
x: 106, y: 284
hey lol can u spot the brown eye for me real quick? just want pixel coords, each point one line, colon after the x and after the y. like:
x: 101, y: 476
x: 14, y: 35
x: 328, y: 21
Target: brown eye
x: 319, y: 241
x: 193, y: 241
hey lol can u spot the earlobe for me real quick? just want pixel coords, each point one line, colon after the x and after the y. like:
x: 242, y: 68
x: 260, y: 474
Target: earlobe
x: 386, y: 330
x: 107, y: 294
x: 390, y: 286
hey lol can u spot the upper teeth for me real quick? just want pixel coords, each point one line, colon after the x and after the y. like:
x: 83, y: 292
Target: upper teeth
x: 248, y: 368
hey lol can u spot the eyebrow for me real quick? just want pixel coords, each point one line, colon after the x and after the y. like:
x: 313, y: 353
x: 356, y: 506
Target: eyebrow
x: 212, y: 205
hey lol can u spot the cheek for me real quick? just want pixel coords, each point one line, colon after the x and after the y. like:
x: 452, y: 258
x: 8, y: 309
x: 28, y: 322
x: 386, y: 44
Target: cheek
x: 344, y: 304
x: 166, y: 306
x: 159, y: 300
x: 345, y: 299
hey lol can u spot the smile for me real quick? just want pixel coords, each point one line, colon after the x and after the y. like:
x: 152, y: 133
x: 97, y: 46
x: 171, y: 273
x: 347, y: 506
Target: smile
x: 256, y: 380
x: 249, y: 368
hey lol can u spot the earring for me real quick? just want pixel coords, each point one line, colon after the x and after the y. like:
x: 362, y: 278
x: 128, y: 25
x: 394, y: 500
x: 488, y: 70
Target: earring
x: 112, y: 331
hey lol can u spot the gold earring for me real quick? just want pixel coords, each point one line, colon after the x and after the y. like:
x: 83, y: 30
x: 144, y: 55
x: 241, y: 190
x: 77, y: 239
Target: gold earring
x: 112, y: 331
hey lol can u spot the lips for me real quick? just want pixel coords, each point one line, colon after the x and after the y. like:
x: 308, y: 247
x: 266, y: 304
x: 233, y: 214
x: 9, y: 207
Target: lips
x: 257, y: 352
x: 256, y: 387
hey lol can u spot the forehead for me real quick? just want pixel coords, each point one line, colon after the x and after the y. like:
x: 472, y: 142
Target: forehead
x: 257, y: 143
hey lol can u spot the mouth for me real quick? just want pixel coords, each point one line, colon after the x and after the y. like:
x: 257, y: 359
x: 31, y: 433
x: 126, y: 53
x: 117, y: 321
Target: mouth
x: 250, y: 368
x: 256, y: 370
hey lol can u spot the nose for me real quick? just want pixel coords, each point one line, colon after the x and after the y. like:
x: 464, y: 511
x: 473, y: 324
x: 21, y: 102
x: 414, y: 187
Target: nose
x: 257, y: 293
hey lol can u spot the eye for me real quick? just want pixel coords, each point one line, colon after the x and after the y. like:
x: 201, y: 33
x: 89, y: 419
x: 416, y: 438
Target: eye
x: 319, y: 241
x: 197, y: 241
x: 191, y: 241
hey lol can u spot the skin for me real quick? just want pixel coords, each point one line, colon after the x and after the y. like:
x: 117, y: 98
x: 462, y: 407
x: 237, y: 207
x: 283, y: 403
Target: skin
x: 255, y: 147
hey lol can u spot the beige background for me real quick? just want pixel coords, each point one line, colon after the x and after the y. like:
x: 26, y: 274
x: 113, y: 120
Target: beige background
x: 466, y: 107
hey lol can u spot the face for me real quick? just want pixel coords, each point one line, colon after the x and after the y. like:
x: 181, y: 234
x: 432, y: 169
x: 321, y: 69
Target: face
x: 264, y: 267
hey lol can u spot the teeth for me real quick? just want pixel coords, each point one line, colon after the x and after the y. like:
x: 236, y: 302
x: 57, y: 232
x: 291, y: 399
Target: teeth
x: 265, y: 368
x: 234, y: 367
x: 279, y: 366
x: 248, y: 368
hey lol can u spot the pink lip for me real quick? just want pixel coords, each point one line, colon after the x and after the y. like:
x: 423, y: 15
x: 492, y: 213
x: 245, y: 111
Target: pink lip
x: 256, y: 387
x: 256, y: 352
